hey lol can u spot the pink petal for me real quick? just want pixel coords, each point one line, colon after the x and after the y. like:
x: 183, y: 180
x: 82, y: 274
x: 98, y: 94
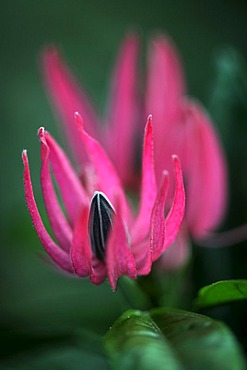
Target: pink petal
x: 176, y: 214
x: 143, y: 257
x: 73, y: 194
x: 158, y: 227
x: 148, y: 189
x: 165, y: 80
x: 207, y: 176
x: 165, y: 86
x: 123, y: 111
x: 119, y: 259
x: 67, y: 97
x: 99, y: 271
x: 59, y: 224
x: 59, y: 256
x: 107, y: 179
x: 81, y: 253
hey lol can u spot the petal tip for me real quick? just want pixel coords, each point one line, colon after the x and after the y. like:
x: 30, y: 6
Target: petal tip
x: 78, y: 119
x: 50, y: 51
x: 149, y: 124
x: 176, y: 160
x: 24, y: 155
x: 165, y: 174
x: 41, y: 132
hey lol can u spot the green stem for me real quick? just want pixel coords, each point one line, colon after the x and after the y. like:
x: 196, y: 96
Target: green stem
x: 133, y: 294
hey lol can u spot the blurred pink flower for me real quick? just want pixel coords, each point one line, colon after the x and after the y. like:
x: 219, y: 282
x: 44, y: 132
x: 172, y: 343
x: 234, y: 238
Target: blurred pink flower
x: 101, y: 236
x: 180, y: 126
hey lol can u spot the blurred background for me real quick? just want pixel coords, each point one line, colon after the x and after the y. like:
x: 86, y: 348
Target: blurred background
x: 49, y: 320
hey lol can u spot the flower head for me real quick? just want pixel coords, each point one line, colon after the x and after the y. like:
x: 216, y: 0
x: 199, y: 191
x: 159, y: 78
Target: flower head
x: 180, y: 126
x: 100, y: 235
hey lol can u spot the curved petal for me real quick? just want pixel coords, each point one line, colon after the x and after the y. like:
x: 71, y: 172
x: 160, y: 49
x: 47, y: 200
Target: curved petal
x: 73, y: 194
x: 207, y: 184
x: 158, y: 224
x: 165, y: 80
x: 119, y: 258
x: 148, y: 189
x: 67, y: 97
x: 81, y: 253
x: 175, y: 216
x: 123, y: 110
x: 59, y: 256
x: 143, y: 257
x: 107, y: 179
x: 165, y: 72
x: 165, y: 86
x: 59, y: 224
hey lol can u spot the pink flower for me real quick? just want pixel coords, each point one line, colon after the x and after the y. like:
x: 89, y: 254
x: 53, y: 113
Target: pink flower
x: 100, y: 235
x: 180, y: 126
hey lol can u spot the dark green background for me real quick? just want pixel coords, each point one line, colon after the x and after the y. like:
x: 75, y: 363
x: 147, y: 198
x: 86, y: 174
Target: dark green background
x: 41, y: 309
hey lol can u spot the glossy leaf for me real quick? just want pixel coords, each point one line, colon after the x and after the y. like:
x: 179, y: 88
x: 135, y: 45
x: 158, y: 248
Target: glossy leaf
x: 222, y: 292
x: 171, y: 339
x: 136, y: 342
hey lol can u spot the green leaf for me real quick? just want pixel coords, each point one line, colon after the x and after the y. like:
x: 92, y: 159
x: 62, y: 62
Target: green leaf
x: 171, y: 339
x: 222, y: 292
x: 136, y: 342
x: 199, y: 341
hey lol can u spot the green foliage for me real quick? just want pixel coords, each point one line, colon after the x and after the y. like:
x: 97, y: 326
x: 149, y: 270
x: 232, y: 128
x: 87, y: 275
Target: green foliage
x: 171, y: 339
x: 222, y: 292
x: 136, y: 342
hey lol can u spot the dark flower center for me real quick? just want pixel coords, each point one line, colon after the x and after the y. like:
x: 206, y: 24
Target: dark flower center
x: 100, y: 223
